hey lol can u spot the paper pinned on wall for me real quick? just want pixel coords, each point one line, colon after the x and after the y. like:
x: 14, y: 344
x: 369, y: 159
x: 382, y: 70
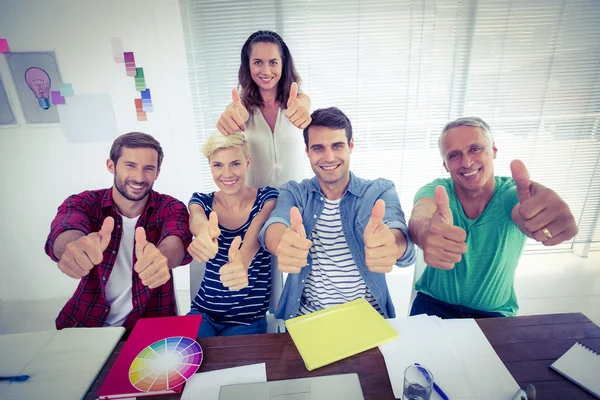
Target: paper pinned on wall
x: 7, y: 116
x: 4, y: 46
x: 117, y: 49
x: 129, y: 63
x: 56, y: 97
x: 66, y: 90
x: 89, y: 118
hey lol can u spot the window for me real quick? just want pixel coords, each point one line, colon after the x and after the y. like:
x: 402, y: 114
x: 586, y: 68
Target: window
x: 402, y: 69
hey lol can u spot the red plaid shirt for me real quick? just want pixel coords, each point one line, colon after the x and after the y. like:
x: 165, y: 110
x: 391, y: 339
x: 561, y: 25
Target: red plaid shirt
x: 163, y: 216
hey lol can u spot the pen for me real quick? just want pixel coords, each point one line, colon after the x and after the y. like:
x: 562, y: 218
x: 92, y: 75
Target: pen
x: 435, y: 385
x: 16, y: 378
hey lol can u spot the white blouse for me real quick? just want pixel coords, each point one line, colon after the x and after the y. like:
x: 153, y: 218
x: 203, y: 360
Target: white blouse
x: 275, y: 157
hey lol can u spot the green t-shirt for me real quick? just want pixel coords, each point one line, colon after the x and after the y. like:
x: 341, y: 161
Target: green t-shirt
x: 484, y: 278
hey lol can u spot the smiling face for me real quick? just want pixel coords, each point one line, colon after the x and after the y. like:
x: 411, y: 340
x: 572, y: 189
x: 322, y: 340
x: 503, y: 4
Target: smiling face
x: 265, y: 65
x: 469, y: 157
x: 135, y: 172
x: 329, y: 154
x: 229, y: 167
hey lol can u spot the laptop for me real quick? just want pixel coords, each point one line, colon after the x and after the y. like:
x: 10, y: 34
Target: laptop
x: 329, y: 387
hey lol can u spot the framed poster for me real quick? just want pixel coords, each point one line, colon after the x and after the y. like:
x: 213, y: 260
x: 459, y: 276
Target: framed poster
x: 35, y: 75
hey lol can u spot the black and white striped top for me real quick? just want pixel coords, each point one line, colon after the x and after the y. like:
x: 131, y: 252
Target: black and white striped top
x: 334, y: 278
x: 247, y: 305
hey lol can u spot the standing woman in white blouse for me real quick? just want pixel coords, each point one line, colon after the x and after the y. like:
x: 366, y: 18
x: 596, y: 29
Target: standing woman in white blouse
x: 270, y: 111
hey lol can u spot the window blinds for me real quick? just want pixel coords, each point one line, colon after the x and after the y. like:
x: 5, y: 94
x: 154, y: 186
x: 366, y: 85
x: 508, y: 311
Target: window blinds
x: 402, y: 69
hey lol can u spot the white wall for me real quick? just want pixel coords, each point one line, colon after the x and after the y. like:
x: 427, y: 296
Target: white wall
x: 39, y: 169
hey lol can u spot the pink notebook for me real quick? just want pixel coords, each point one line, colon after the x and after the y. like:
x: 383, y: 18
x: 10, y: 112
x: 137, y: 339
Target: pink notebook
x: 158, y: 357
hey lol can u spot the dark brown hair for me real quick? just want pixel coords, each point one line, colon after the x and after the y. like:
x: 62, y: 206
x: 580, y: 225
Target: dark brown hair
x: 135, y: 140
x: 251, y: 98
x: 332, y: 118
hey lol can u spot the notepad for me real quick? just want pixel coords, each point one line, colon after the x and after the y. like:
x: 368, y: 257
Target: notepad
x: 341, y: 331
x: 581, y: 365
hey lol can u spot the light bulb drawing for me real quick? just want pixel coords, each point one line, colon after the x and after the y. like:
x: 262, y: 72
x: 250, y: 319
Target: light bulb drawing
x: 39, y: 82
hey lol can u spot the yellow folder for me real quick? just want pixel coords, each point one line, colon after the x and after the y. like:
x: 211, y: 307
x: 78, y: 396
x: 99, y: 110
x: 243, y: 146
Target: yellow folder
x: 341, y: 331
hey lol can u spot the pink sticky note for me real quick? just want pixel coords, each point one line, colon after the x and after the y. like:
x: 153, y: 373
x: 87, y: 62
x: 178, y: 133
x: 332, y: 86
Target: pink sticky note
x: 4, y: 46
x: 56, y: 97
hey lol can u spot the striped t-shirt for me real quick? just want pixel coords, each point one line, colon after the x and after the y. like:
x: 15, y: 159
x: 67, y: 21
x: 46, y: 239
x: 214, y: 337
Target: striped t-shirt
x: 251, y: 303
x: 334, y: 277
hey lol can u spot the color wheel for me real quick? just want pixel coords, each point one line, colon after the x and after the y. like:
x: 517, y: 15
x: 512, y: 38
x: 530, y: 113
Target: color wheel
x: 165, y: 364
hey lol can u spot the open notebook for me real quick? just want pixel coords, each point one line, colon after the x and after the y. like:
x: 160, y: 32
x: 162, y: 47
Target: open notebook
x: 581, y: 365
x: 61, y: 364
x: 338, y: 332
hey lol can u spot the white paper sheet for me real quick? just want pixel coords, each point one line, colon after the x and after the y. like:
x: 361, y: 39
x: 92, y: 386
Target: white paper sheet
x: 88, y: 118
x: 422, y: 340
x: 65, y: 367
x: 206, y: 385
x: 483, y: 364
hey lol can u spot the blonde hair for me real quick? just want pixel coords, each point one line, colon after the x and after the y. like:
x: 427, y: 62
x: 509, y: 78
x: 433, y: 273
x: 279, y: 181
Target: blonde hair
x: 218, y: 141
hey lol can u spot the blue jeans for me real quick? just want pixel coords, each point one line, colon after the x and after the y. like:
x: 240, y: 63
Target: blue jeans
x: 424, y: 304
x: 208, y: 327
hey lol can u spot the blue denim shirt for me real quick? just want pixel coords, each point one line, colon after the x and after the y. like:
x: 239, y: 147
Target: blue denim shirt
x: 355, y: 211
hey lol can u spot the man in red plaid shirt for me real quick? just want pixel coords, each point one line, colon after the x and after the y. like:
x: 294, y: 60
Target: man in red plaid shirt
x: 121, y: 242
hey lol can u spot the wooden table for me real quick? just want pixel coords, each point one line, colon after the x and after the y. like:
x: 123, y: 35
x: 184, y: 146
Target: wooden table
x: 527, y: 345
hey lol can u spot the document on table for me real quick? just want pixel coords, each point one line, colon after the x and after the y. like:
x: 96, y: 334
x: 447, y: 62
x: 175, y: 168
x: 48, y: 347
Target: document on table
x: 458, y: 354
x: 206, y: 385
x: 422, y: 340
x: 61, y: 364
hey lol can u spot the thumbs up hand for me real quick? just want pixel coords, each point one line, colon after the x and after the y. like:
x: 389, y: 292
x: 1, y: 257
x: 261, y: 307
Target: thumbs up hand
x: 205, y: 245
x: 297, y: 112
x: 234, y: 117
x: 380, y: 243
x: 151, y: 265
x: 234, y: 275
x: 292, y: 251
x: 81, y: 255
x: 444, y: 243
x: 541, y: 214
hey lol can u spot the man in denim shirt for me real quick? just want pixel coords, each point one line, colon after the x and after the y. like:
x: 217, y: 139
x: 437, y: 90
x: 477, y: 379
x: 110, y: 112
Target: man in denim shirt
x: 356, y: 228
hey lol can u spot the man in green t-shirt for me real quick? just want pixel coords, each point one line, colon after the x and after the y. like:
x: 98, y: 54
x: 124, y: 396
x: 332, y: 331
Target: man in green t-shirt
x: 472, y: 227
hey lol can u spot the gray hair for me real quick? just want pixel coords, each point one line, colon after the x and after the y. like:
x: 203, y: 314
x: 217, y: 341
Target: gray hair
x: 466, y: 121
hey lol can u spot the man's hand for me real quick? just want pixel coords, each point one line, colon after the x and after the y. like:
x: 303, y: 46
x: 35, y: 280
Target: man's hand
x: 234, y: 275
x: 380, y: 243
x: 443, y: 244
x: 234, y: 117
x: 541, y: 214
x: 297, y: 112
x: 151, y: 265
x: 205, y: 245
x: 292, y: 252
x: 83, y: 254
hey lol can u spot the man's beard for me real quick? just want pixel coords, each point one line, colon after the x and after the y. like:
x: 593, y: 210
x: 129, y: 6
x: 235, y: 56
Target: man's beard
x: 122, y: 188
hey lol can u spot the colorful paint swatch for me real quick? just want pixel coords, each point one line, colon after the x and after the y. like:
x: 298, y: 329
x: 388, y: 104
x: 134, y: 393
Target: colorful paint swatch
x: 165, y: 364
x: 140, y: 81
x: 66, y: 90
x: 4, y: 46
x: 56, y: 97
x: 141, y: 114
x: 117, y: 50
x: 129, y: 63
x: 146, y: 100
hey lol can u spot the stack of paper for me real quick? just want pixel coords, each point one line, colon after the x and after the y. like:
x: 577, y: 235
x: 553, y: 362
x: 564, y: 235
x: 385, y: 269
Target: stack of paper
x: 462, y: 361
